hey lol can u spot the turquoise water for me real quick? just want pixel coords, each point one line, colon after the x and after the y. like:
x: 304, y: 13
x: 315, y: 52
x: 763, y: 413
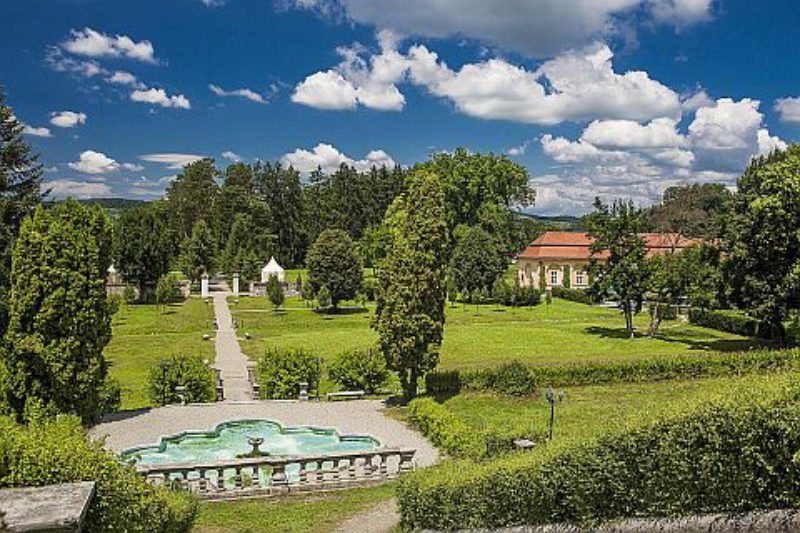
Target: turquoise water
x: 230, y: 439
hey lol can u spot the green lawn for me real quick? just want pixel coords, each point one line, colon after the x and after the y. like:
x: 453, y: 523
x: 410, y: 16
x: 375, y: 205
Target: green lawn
x: 142, y: 335
x: 564, y: 332
x: 587, y: 412
x: 305, y: 514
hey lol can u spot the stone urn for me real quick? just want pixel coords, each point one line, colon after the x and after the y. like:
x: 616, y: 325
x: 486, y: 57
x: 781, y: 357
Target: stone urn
x: 255, y: 442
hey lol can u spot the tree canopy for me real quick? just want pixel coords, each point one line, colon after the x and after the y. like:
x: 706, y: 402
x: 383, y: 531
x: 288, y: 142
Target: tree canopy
x: 334, y: 263
x: 409, y: 318
x: 59, y: 316
x: 477, y: 261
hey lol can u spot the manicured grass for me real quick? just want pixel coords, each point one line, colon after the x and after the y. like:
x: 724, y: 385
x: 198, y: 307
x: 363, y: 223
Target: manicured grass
x: 588, y: 412
x: 305, y: 514
x: 564, y: 332
x: 142, y: 335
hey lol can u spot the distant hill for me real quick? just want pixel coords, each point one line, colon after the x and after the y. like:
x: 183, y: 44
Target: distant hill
x: 113, y: 203
x: 558, y: 222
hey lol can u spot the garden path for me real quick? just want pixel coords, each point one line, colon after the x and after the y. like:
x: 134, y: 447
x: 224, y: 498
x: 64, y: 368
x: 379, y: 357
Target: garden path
x: 230, y: 360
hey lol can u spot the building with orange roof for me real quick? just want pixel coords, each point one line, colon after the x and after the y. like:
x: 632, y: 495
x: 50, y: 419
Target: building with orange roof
x: 561, y: 258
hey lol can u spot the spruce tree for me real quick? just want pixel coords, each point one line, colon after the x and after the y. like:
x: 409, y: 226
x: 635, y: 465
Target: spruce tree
x: 59, y: 315
x: 197, y: 255
x: 409, y: 318
x: 20, y: 193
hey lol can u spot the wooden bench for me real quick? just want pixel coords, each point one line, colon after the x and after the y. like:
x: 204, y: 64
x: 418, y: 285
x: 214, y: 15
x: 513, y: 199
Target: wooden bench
x: 345, y: 395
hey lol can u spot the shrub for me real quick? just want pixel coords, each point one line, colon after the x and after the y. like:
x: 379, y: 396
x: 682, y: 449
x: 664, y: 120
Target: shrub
x: 443, y: 382
x: 368, y: 288
x: 573, y: 295
x: 732, y: 457
x: 324, y: 298
x: 129, y: 294
x: 187, y: 371
x: 58, y: 451
x: 281, y: 371
x: 512, y: 379
x: 359, y: 370
x: 729, y: 321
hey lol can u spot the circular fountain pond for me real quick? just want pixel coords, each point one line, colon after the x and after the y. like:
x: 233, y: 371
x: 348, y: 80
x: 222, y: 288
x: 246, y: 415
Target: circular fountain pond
x: 233, y: 439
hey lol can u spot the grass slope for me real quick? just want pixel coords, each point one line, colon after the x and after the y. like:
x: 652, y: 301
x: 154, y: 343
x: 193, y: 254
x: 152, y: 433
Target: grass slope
x: 142, y: 335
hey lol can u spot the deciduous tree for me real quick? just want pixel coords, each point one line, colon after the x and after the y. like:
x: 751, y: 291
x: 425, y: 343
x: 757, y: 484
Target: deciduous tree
x: 333, y: 262
x: 622, y: 275
x: 144, y: 245
x: 477, y: 261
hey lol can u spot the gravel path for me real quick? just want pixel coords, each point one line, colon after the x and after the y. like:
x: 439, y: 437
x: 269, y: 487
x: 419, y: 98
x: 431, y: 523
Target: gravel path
x: 360, y: 417
x: 383, y: 517
x: 230, y: 360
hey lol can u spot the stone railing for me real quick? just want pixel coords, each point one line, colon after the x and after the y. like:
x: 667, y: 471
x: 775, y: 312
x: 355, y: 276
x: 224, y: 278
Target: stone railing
x: 279, y: 475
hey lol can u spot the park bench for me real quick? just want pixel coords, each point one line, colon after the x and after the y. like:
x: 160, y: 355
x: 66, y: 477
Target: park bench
x: 345, y: 395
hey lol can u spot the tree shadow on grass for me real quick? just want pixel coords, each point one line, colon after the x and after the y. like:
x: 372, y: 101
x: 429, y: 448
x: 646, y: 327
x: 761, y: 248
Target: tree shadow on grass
x: 341, y: 311
x: 691, y: 340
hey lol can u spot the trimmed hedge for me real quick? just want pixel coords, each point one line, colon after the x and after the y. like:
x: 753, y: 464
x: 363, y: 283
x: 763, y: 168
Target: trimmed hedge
x: 644, y: 370
x: 729, y: 457
x: 58, y: 450
x: 359, y: 370
x: 574, y: 295
x: 729, y: 321
x: 187, y: 371
x: 456, y: 438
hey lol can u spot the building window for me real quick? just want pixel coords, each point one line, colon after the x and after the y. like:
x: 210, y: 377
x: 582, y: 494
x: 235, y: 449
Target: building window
x: 580, y: 277
x: 554, y: 277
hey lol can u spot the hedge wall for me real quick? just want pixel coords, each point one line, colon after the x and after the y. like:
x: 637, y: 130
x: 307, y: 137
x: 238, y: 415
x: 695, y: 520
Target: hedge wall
x: 574, y: 295
x: 731, y: 457
x: 510, y: 379
x: 456, y: 438
x: 729, y: 321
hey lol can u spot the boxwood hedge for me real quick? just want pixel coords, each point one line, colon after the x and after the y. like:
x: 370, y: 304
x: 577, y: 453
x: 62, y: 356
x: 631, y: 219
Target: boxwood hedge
x: 596, y: 373
x: 733, y: 456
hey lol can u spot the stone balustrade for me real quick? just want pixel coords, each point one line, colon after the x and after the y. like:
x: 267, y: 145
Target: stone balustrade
x: 280, y: 475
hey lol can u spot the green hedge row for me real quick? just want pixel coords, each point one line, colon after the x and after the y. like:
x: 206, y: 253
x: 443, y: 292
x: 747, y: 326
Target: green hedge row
x: 456, y: 438
x: 574, y: 295
x: 729, y: 321
x: 732, y: 457
x: 510, y: 379
x: 58, y: 450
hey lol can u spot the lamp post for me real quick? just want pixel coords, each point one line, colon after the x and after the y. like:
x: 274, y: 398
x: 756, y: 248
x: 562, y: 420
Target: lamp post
x: 551, y: 399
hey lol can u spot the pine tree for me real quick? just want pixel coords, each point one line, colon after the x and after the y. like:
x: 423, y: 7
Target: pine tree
x: 59, y: 315
x: 20, y: 193
x: 409, y: 318
x: 191, y: 196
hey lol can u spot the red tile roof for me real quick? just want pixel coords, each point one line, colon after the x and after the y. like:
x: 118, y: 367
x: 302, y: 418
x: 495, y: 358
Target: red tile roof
x: 572, y: 245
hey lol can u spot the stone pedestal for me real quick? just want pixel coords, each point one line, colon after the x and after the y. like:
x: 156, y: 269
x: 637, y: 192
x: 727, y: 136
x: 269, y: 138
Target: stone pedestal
x: 204, y: 286
x: 236, y: 285
x: 54, y: 508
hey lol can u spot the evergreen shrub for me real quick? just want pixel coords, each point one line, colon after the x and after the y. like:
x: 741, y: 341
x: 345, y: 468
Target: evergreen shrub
x: 729, y: 321
x: 184, y: 370
x: 57, y: 450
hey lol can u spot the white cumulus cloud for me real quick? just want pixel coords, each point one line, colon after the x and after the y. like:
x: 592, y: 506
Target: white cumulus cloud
x: 91, y: 162
x: 328, y: 159
x: 160, y: 97
x: 64, y: 188
x: 92, y: 43
x: 788, y: 109
x: 33, y: 131
x: 67, y: 119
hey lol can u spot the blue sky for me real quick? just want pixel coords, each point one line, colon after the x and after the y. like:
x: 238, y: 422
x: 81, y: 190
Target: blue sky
x: 594, y: 97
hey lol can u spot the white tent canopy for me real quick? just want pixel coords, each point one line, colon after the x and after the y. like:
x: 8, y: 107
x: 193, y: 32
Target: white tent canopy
x: 272, y: 269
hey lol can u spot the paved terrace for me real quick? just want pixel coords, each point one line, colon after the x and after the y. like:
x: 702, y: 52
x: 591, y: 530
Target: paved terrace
x: 362, y: 417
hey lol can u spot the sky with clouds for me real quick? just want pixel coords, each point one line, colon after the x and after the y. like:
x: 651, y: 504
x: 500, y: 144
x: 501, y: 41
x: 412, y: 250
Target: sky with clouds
x: 616, y: 98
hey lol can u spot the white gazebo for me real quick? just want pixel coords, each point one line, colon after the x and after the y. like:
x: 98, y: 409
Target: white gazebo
x: 272, y: 269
